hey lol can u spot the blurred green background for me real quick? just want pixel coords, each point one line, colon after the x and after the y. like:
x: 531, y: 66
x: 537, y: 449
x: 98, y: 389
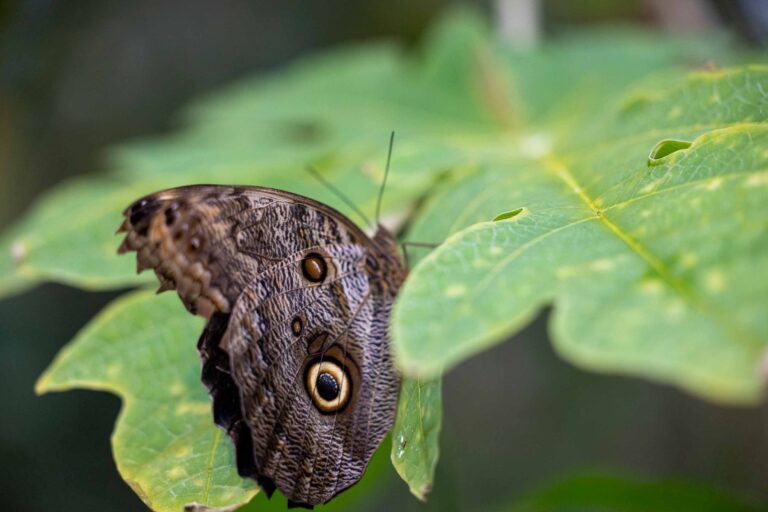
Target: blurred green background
x: 79, y: 76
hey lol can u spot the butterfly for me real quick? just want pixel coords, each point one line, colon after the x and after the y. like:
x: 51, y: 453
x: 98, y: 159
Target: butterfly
x: 295, y: 350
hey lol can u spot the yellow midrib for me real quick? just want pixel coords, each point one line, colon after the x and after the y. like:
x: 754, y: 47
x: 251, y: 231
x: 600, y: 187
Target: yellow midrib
x: 559, y: 169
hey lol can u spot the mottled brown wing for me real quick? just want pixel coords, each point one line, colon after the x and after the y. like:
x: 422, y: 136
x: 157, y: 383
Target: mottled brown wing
x: 209, y: 241
x: 293, y: 291
x: 281, y: 327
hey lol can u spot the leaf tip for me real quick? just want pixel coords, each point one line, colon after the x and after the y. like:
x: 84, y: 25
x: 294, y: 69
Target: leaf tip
x: 423, y: 492
x: 41, y: 386
x: 46, y: 383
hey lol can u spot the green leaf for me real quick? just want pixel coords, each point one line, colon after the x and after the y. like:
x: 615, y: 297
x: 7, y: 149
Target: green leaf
x: 600, y: 492
x: 265, y: 132
x: 619, y: 247
x: 167, y: 448
x: 69, y: 237
x: 415, y: 434
x: 654, y: 271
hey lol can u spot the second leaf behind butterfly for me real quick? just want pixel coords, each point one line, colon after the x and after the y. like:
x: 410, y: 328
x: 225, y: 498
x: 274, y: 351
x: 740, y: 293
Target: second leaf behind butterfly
x: 296, y: 349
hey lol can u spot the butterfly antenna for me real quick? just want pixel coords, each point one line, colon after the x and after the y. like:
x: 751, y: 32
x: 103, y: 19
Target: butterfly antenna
x: 386, y: 173
x: 338, y: 194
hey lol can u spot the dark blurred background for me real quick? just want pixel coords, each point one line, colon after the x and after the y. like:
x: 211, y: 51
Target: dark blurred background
x: 77, y: 76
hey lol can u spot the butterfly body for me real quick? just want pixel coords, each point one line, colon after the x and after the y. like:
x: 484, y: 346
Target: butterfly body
x: 296, y: 348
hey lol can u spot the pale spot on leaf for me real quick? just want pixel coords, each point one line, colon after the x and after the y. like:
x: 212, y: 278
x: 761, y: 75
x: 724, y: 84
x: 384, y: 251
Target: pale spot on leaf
x: 176, y: 389
x: 455, y: 290
x: 602, y: 265
x: 715, y: 184
x: 18, y: 251
x: 651, y: 286
x: 759, y: 179
x: 193, y: 408
x: 649, y: 187
x: 688, y: 259
x: 536, y: 145
x: 176, y: 472
x: 113, y: 369
x: 715, y: 281
x: 183, y: 452
x: 372, y: 170
x: 676, y: 309
x: 566, y: 272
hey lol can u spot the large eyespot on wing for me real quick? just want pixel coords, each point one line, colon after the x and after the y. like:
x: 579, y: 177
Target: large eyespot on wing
x: 208, y: 242
x: 289, y: 334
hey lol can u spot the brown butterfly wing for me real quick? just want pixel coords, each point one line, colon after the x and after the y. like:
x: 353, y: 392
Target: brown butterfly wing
x: 208, y: 241
x: 271, y: 321
x: 311, y: 455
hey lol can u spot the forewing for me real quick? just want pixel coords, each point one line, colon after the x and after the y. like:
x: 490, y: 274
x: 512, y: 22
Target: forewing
x: 208, y: 241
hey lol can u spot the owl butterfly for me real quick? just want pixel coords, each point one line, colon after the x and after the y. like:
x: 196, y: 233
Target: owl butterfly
x: 295, y: 349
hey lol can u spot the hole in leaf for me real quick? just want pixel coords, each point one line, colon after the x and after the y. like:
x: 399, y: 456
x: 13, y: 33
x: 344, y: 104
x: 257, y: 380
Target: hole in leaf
x: 508, y: 215
x: 665, y: 148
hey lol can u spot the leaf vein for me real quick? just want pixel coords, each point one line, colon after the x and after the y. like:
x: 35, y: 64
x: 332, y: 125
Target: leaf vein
x: 657, y: 265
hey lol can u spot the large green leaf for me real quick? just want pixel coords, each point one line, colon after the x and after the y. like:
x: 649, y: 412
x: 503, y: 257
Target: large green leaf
x: 415, y: 434
x: 541, y: 140
x: 142, y: 348
x: 602, y: 492
x: 69, y: 238
x: 654, y: 270
x: 452, y: 105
